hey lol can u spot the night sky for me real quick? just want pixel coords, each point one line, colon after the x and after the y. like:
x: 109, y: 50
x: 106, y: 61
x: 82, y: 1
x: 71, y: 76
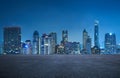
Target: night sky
x: 48, y: 16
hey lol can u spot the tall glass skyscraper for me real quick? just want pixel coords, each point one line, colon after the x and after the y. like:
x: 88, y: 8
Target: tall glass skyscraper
x: 85, y: 37
x: 96, y: 34
x: 36, y: 40
x: 12, y: 40
x: 53, y: 40
x: 88, y: 45
x: 110, y: 43
x: 96, y: 48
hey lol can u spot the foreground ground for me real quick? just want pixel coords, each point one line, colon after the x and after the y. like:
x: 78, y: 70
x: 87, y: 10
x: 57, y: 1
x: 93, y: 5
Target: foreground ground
x: 60, y: 66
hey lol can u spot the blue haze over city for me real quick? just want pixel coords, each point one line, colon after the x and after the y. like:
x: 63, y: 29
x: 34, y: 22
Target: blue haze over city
x: 47, y: 16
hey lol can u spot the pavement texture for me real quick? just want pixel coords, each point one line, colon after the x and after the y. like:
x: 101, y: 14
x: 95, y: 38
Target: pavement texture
x: 60, y: 66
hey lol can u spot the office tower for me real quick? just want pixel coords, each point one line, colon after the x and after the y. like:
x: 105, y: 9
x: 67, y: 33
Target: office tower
x: 88, y: 45
x: 64, y: 36
x: 110, y: 43
x: 12, y: 40
x: 85, y: 37
x: 46, y: 44
x: 36, y: 41
x: 27, y: 47
x: 96, y: 34
x: 96, y: 48
x: 54, y: 41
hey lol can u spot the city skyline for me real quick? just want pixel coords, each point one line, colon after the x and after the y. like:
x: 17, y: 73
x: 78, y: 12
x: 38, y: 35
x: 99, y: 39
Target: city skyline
x: 54, y: 16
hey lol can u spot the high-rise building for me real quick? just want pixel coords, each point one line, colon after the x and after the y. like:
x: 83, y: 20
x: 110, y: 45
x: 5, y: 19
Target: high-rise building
x: 64, y: 36
x: 96, y: 34
x: 96, y: 48
x: 54, y: 41
x: 88, y: 45
x: 46, y: 44
x: 36, y: 43
x: 85, y: 37
x: 110, y: 43
x: 12, y: 40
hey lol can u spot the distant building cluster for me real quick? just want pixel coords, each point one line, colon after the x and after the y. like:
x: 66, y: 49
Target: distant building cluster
x: 47, y: 43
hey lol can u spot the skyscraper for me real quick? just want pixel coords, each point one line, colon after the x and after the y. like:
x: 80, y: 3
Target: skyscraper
x: 54, y: 41
x: 36, y: 41
x: 96, y: 48
x: 64, y: 36
x: 46, y: 46
x: 12, y: 40
x: 85, y: 36
x: 110, y: 43
x: 88, y: 45
x: 96, y: 34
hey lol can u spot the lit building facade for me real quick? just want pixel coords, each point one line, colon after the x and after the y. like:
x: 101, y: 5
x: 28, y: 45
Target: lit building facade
x: 96, y: 34
x: 12, y: 40
x: 60, y: 49
x: 86, y: 43
x: 72, y: 48
x: 46, y: 44
x: 110, y: 43
x: 85, y: 36
x: 96, y: 48
x: 53, y: 35
x: 64, y: 36
x: 27, y: 47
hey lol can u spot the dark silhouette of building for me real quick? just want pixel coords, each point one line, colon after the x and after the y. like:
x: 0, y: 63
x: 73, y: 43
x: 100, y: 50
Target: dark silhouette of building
x: 36, y: 43
x: 12, y: 40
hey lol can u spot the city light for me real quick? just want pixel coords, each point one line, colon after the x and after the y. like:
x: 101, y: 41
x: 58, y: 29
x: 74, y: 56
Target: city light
x: 26, y: 46
x: 110, y: 33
